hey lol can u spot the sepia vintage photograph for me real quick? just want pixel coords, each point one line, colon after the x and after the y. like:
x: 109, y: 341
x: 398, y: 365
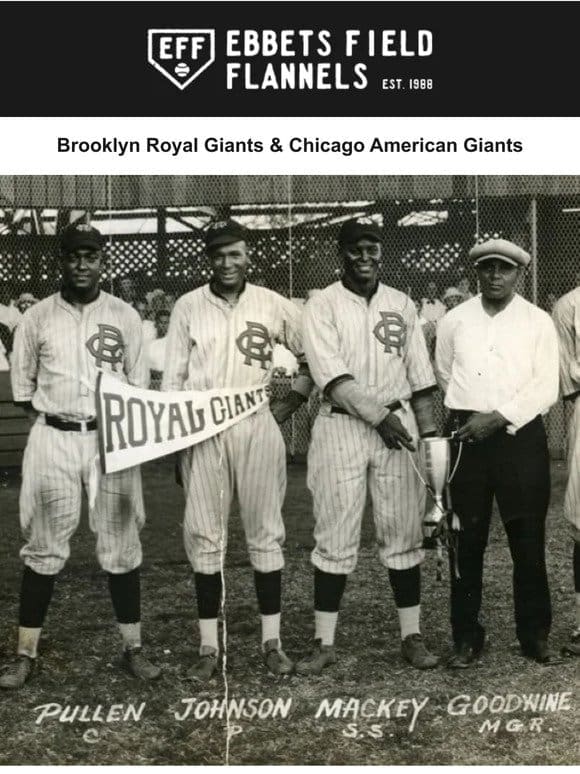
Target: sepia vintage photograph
x: 289, y: 470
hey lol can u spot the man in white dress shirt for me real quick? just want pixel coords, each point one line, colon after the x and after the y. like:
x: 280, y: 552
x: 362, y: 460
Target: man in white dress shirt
x: 566, y: 316
x: 497, y: 361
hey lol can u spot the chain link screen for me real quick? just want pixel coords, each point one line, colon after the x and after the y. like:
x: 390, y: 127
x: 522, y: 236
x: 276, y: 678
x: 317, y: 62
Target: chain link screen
x: 154, y: 227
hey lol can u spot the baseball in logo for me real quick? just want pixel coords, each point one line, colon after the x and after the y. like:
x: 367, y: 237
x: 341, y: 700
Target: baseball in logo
x: 181, y: 55
x: 391, y: 331
x: 255, y: 344
x: 106, y: 346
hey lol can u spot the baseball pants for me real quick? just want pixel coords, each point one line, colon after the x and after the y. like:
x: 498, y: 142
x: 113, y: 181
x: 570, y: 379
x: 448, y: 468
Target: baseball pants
x: 347, y: 456
x: 56, y: 467
x: 572, y: 496
x: 249, y: 457
x: 515, y: 470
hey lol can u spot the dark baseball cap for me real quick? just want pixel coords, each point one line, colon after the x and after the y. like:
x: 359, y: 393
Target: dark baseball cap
x: 81, y: 235
x: 224, y: 232
x: 358, y: 228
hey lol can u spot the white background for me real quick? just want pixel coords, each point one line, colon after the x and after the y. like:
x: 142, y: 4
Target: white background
x: 29, y: 146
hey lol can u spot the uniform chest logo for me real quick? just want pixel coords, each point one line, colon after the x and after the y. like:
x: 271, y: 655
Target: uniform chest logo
x: 255, y: 344
x: 106, y: 346
x: 391, y: 331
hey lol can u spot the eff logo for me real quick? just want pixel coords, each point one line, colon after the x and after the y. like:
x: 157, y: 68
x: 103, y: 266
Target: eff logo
x: 181, y: 55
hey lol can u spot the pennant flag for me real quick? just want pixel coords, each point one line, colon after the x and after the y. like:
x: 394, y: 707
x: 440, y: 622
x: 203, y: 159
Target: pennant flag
x: 137, y: 425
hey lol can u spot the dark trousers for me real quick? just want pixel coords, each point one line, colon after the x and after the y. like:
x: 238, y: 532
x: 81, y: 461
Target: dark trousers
x: 515, y: 470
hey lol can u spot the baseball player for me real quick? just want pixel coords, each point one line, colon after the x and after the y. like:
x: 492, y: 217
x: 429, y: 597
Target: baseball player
x: 367, y: 355
x: 497, y: 361
x: 222, y: 335
x: 566, y: 315
x: 60, y: 345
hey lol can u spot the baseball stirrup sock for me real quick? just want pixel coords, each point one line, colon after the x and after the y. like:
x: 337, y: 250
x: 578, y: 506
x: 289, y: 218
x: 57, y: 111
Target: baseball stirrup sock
x: 208, y: 590
x: 35, y: 595
x: 268, y: 591
x: 125, y: 590
x: 406, y: 585
x: 328, y: 591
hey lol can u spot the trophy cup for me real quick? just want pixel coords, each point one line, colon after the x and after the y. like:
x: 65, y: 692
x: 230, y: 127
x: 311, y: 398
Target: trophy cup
x: 435, y: 458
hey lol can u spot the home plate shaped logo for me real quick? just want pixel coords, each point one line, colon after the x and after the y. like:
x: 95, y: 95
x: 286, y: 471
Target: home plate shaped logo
x: 181, y: 55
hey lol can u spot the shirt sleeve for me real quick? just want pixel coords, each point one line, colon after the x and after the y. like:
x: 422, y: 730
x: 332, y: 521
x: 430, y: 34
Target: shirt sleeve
x: 416, y: 355
x: 321, y: 344
x: 177, y: 349
x: 24, y: 361
x: 328, y: 369
x: 564, y: 317
x: 444, y: 352
x: 541, y: 391
x: 291, y: 338
x: 135, y: 361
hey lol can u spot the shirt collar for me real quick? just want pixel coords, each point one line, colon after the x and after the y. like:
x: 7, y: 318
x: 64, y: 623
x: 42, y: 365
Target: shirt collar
x: 215, y: 293
x: 347, y: 286
x: 68, y: 304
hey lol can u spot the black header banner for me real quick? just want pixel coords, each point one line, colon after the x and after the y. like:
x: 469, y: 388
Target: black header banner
x: 288, y: 58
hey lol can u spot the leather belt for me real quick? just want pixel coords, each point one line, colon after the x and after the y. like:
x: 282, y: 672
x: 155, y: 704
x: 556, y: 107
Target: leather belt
x: 392, y: 407
x: 63, y: 424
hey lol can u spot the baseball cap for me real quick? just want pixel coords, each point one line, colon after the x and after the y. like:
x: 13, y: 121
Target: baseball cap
x: 357, y: 228
x: 501, y: 249
x: 224, y: 232
x: 81, y: 235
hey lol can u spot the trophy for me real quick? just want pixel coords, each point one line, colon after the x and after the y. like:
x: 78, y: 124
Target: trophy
x: 435, y: 460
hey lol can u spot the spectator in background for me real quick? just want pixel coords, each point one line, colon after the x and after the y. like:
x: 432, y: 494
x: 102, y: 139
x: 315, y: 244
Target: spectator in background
x: 431, y: 307
x: 464, y: 288
x: 452, y: 297
x: 429, y: 329
x: 148, y: 325
x: 25, y: 301
x: 128, y: 291
x: 550, y: 302
x: 5, y: 347
x: 9, y: 314
x: 155, y: 348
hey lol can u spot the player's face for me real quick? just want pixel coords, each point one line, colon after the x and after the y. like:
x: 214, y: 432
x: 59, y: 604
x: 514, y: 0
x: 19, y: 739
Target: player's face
x: 361, y: 260
x: 497, y: 279
x: 81, y: 269
x: 229, y: 264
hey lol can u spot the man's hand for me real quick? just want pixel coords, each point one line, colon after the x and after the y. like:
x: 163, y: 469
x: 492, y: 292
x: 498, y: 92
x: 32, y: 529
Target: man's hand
x: 394, y: 434
x: 283, y: 408
x: 480, y: 426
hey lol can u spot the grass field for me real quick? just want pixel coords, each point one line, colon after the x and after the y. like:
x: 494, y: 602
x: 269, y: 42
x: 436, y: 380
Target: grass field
x: 80, y: 651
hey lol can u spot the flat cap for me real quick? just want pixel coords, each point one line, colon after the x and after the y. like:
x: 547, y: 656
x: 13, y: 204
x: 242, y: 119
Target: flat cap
x: 502, y: 249
x: 81, y: 235
x: 452, y: 293
x: 358, y: 228
x: 224, y: 232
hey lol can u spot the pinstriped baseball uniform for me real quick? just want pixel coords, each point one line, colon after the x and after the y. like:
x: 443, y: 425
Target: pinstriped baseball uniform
x: 212, y: 343
x: 381, y: 345
x: 58, y: 350
x: 566, y: 317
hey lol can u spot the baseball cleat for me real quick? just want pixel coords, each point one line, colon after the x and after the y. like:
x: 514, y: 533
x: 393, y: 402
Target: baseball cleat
x: 205, y: 668
x: 18, y: 673
x: 276, y: 661
x: 572, y: 648
x: 538, y: 651
x: 415, y: 652
x: 321, y: 656
x: 138, y: 666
